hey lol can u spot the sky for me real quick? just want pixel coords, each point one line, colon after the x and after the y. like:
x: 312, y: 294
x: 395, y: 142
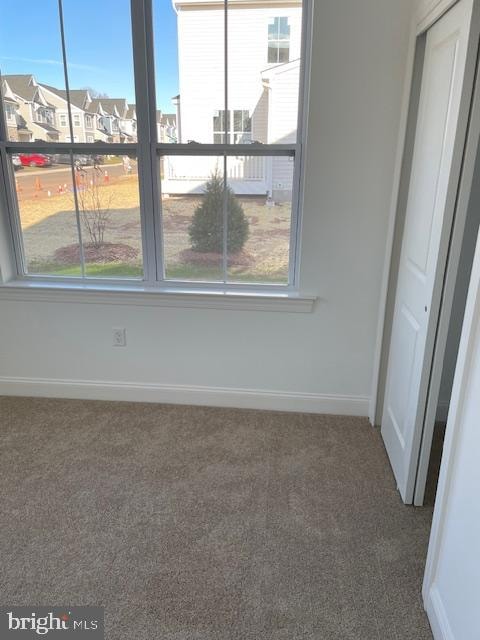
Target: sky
x: 98, y: 42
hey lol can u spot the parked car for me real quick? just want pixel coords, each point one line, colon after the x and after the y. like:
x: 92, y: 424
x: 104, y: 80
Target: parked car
x: 79, y: 159
x: 17, y: 163
x: 35, y: 160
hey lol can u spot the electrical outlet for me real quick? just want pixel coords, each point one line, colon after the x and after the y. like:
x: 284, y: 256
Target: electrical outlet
x: 119, y: 337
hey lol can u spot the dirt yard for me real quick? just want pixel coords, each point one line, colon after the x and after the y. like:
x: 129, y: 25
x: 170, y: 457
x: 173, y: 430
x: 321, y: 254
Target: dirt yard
x: 49, y: 225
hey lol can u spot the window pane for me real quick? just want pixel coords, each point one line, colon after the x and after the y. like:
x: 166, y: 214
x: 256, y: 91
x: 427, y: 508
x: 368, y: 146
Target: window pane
x: 100, y: 76
x: 283, y: 29
x: 98, y: 38
x: 273, y: 29
x: 192, y: 215
x: 265, y: 83
x: 47, y: 215
x: 190, y: 69
x: 30, y: 62
x: 109, y: 208
x: 260, y: 211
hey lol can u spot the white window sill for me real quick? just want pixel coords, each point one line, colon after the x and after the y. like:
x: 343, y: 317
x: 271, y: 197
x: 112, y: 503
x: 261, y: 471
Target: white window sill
x: 28, y: 291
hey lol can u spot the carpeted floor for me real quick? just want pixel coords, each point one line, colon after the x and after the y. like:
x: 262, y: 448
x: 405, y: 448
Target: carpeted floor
x: 192, y: 523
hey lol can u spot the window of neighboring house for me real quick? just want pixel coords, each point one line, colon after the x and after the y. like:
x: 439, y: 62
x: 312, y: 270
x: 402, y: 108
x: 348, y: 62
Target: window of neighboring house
x: 242, y: 127
x: 10, y: 112
x: 197, y: 226
x: 221, y: 127
x: 278, y: 40
x: 45, y: 116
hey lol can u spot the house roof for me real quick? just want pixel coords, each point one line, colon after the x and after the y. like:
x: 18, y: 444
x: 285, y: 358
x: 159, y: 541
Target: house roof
x: 22, y: 85
x: 114, y: 106
x: 168, y: 119
x: 131, y: 111
x: 78, y: 97
x: 47, y: 127
x: 283, y: 67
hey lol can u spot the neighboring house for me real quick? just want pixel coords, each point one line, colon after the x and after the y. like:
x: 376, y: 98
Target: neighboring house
x: 264, y: 40
x: 35, y: 114
x: 58, y: 98
x: 106, y: 123
x: 81, y: 98
x: 166, y: 127
x: 116, y: 120
x: 37, y: 111
x: 130, y: 123
x: 11, y: 107
x: 121, y: 119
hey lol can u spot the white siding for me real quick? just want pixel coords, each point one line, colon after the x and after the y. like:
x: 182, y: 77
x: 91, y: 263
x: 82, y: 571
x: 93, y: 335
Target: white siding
x: 201, y: 62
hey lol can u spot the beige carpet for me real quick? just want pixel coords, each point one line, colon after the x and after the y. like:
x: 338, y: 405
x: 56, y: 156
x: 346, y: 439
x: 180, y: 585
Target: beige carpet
x: 194, y: 523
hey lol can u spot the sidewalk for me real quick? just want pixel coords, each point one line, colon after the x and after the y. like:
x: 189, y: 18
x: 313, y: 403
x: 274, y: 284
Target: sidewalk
x: 49, y: 170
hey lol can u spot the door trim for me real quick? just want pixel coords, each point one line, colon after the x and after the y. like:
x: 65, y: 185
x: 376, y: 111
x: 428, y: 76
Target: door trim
x: 466, y: 359
x: 423, y: 19
x: 472, y: 147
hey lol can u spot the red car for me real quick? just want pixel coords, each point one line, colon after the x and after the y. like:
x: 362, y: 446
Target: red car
x: 35, y: 160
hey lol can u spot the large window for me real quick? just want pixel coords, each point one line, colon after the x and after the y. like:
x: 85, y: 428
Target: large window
x: 278, y: 40
x: 177, y: 168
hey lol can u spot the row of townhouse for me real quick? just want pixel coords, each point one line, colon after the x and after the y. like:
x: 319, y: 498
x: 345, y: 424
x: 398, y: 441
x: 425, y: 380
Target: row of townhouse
x: 39, y: 112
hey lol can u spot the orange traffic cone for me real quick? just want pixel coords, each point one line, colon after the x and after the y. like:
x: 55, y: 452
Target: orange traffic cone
x: 38, y: 185
x: 106, y: 177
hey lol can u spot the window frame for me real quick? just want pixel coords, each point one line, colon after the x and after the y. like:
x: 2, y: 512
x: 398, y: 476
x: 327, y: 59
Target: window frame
x: 148, y: 151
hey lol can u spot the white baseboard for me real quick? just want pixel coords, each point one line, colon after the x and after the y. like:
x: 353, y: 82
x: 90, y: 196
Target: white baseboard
x: 183, y: 394
x: 437, y: 616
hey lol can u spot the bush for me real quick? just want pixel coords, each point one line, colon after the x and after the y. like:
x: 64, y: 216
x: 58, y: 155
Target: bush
x: 206, y: 229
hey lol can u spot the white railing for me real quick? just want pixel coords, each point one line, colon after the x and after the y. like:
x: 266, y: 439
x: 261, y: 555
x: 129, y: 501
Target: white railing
x: 202, y: 167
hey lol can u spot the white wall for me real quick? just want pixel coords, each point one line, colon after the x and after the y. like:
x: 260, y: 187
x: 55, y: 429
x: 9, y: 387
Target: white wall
x: 359, y: 57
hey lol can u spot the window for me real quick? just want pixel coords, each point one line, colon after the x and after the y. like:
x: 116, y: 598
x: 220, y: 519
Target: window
x: 10, y: 112
x: 185, y: 177
x: 278, y: 40
x: 221, y: 127
x: 242, y: 127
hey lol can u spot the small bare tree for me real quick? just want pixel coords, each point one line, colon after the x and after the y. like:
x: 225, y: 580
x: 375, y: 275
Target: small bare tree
x: 94, y: 203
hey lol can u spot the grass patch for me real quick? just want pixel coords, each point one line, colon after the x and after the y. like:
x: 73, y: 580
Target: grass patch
x: 113, y: 270
x: 195, y: 272
x: 176, y: 272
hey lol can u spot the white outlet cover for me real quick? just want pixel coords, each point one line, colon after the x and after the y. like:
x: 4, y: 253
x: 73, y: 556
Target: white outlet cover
x: 119, y: 337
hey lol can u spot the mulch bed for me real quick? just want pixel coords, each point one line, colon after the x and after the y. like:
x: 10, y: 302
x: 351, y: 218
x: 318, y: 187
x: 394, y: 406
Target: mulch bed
x: 240, y: 259
x: 108, y: 252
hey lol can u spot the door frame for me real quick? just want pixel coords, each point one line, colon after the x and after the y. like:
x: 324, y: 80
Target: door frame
x: 472, y: 148
x: 470, y: 336
x: 427, y: 13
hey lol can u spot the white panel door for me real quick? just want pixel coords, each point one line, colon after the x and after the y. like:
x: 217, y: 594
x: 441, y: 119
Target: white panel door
x: 426, y: 224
